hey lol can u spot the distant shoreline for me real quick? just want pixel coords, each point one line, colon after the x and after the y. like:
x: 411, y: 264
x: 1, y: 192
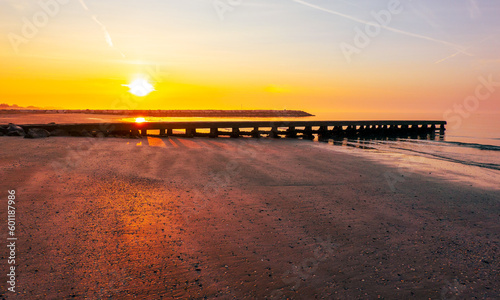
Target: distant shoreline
x: 166, y: 113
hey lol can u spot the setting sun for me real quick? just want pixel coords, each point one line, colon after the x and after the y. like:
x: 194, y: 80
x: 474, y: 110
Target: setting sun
x: 140, y: 120
x: 140, y: 87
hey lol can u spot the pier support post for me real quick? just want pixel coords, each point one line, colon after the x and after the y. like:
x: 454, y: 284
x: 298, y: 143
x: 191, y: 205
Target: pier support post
x: 235, y: 133
x: 385, y: 130
x: 308, y: 134
x: 144, y: 132
x: 424, y: 129
x: 337, y: 131
x: 255, y: 132
x: 291, y: 132
x: 441, y: 129
x: 323, y: 133
x: 392, y: 130
x: 351, y: 131
x: 214, y: 132
x: 274, y: 133
x: 401, y: 131
x: 343, y: 131
x: 372, y: 129
x: 415, y: 131
x: 362, y: 131
x: 421, y: 129
x: 190, y: 132
x: 170, y: 132
x: 162, y: 132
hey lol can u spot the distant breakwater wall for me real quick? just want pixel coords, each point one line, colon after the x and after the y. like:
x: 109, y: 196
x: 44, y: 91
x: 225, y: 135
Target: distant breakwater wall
x: 171, y: 113
x: 275, y: 129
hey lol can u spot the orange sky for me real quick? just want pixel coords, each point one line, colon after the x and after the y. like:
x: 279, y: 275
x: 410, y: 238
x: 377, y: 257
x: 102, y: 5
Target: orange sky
x: 261, y: 56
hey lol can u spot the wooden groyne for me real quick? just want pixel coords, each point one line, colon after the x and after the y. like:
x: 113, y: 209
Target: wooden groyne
x: 291, y: 129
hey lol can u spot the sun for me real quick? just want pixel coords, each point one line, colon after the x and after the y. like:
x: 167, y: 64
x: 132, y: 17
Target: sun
x: 140, y: 87
x: 140, y: 120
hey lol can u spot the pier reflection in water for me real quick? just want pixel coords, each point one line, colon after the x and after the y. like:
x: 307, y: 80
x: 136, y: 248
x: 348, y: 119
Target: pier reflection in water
x: 368, y: 142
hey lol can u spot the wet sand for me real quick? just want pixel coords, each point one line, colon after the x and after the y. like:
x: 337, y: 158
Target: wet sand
x: 239, y: 219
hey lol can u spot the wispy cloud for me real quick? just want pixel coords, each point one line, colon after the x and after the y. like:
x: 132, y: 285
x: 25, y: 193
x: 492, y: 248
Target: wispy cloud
x: 361, y: 21
x: 474, y: 10
x: 448, y: 57
x: 425, y: 13
x: 84, y: 5
x: 459, y: 52
x: 105, y: 31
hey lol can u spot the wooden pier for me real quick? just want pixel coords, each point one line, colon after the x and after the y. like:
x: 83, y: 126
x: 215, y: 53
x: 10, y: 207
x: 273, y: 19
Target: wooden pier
x: 275, y: 129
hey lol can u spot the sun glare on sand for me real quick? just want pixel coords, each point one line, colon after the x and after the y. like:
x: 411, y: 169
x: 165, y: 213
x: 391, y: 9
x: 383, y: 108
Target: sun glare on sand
x: 140, y: 87
x: 140, y: 120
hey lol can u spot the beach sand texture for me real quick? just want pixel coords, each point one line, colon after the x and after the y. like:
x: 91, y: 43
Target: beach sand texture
x: 240, y: 219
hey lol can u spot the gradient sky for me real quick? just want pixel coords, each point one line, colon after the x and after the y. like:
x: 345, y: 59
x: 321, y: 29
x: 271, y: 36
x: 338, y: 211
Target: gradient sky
x: 251, y: 54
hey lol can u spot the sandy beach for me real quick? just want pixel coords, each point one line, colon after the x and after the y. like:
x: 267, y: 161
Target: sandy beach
x: 224, y: 218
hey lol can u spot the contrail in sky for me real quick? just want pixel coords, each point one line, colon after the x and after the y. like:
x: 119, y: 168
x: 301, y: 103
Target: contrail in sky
x: 103, y: 28
x: 457, y: 53
x: 84, y: 5
x: 474, y: 10
x: 105, y: 31
x: 457, y: 47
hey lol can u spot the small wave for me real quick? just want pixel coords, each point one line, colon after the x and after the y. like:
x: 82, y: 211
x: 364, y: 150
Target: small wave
x: 455, y: 160
x: 474, y: 145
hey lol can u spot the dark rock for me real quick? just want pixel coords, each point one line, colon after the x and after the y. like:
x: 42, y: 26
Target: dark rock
x: 134, y: 134
x: 14, y: 130
x: 121, y: 133
x: 37, y: 133
x: 100, y: 134
x: 59, y: 132
x: 74, y: 133
x: 85, y: 133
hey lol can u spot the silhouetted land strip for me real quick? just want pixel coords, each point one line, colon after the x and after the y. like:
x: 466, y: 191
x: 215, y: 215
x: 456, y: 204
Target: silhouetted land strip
x: 169, y: 113
x: 290, y: 129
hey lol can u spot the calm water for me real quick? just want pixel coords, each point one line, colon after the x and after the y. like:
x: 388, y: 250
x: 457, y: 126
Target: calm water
x: 469, y: 152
